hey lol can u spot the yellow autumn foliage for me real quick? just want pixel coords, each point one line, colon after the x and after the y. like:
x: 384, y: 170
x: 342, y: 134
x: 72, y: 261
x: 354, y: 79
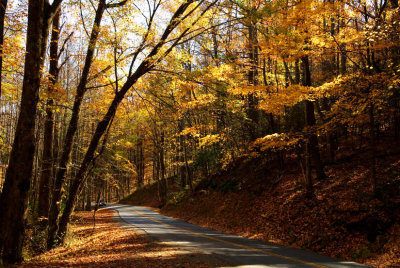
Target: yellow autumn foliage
x: 275, y: 142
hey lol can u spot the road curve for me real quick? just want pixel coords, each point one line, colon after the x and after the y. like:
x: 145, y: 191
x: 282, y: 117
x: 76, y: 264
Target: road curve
x: 237, y: 250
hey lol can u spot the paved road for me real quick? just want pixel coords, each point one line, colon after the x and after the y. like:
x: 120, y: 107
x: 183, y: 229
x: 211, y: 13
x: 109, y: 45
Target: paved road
x: 237, y: 250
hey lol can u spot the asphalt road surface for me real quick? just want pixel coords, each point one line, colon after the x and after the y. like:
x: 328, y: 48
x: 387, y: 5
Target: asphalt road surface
x: 239, y: 251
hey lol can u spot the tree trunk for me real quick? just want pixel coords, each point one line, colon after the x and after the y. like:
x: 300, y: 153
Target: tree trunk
x: 163, y: 181
x: 3, y: 7
x: 47, y: 157
x: 189, y: 177
x: 156, y: 170
x: 297, y: 72
x: 310, y: 123
x: 72, y: 127
x: 140, y: 163
x: 88, y: 196
x: 181, y: 159
x: 372, y: 148
x: 13, y: 198
x: 252, y: 100
x: 308, y: 182
x: 76, y: 184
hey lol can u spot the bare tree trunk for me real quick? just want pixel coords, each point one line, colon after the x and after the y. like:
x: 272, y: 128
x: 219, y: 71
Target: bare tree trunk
x: 310, y: 123
x: 140, y: 163
x: 88, y: 196
x: 33, y: 192
x: 96, y: 207
x: 182, y: 173
x: 308, y: 183
x: 297, y: 72
x: 47, y: 157
x: 156, y: 169
x: 189, y: 177
x: 163, y: 181
x: 372, y: 149
x: 252, y: 100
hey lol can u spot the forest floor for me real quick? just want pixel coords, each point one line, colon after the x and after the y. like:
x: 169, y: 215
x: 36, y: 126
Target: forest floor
x: 111, y: 244
x: 345, y: 220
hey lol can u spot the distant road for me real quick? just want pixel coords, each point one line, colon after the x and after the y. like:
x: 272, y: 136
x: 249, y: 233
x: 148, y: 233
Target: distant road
x: 237, y: 250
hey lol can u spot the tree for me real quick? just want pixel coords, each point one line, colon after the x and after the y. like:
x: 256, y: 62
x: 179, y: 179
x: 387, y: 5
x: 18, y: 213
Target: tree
x: 3, y: 7
x: 47, y: 158
x: 150, y: 61
x: 19, y: 172
x: 187, y: 90
x: 73, y: 124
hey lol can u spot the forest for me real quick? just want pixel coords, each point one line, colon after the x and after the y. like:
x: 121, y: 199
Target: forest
x: 178, y: 99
